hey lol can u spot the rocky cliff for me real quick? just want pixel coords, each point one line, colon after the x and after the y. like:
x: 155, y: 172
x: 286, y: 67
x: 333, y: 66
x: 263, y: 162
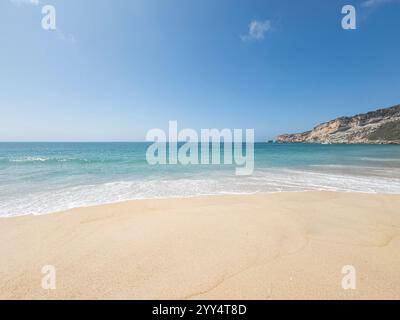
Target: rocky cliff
x: 380, y: 127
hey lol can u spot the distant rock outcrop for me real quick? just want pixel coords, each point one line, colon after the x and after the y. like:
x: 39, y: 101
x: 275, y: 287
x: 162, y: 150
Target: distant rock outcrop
x: 377, y: 127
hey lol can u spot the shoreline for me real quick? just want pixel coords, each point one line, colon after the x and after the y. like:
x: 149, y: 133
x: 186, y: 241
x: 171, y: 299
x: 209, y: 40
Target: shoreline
x: 289, y: 245
x: 63, y: 211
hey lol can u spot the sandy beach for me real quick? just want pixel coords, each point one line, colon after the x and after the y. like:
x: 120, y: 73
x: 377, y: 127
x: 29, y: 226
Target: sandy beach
x: 264, y: 246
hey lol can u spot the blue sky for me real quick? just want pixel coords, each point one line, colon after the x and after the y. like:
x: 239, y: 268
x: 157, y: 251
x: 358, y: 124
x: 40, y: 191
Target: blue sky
x: 114, y: 69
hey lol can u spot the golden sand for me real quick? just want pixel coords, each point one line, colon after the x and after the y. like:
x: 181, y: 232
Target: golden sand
x: 264, y: 246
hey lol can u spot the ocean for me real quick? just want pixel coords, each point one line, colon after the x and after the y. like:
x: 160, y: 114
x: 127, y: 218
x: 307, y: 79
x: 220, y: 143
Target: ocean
x: 41, y: 178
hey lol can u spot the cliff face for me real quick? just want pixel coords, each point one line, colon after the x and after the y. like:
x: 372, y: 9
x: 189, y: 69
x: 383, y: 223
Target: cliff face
x: 381, y: 126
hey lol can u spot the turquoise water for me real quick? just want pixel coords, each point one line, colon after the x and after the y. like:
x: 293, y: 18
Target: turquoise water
x: 39, y: 178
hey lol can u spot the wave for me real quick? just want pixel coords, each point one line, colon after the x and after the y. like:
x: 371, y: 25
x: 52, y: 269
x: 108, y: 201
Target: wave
x: 380, y: 159
x: 267, y: 180
x: 29, y: 159
x: 36, y: 160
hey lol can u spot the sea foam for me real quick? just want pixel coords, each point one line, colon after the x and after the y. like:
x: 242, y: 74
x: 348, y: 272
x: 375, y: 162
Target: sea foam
x: 268, y: 181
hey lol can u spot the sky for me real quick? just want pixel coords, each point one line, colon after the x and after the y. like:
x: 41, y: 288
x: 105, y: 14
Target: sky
x: 112, y: 70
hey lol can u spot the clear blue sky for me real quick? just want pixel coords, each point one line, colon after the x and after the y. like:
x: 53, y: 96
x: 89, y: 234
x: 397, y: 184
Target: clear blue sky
x: 115, y: 69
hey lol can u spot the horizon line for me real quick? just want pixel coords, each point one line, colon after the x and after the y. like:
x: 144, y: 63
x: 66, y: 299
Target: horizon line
x: 114, y: 141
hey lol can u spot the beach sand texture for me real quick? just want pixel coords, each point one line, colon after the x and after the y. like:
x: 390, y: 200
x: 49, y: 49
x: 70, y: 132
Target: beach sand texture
x: 264, y: 246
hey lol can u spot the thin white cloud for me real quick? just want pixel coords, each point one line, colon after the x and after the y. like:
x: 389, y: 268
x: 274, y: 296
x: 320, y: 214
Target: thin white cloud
x: 374, y: 3
x: 26, y: 2
x: 257, y: 30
